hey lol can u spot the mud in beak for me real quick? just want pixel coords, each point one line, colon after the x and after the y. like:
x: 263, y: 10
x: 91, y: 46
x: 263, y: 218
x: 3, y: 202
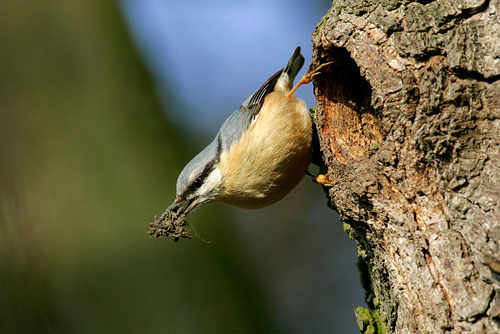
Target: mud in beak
x: 183, y: 207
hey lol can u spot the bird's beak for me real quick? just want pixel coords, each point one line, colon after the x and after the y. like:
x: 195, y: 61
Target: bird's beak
x: 191, y: 204
x: 178, y: 204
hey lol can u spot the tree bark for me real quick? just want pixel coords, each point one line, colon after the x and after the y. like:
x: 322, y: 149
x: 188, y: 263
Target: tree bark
x: 408, y: 120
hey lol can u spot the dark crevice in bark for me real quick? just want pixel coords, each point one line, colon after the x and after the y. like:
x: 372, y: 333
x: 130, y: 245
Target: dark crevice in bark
x: 476, y: 317
x: 462, y: 73
x: 468, y: 12
x: 425, y: 2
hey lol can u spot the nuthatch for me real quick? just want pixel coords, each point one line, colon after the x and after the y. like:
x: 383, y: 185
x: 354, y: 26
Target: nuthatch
x: 260, y: 153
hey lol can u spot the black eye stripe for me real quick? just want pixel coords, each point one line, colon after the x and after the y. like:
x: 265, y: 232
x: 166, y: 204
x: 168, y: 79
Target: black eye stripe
x: 198, y: 181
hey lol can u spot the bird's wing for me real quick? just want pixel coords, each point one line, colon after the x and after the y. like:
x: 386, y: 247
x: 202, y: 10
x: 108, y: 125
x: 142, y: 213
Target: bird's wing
x: 253, y: 104
x: 241, y: 119
x: 247, y: 113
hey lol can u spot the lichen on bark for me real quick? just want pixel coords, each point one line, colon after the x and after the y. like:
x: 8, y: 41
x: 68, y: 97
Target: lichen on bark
x: 369, y: 322
x: 408, y: 120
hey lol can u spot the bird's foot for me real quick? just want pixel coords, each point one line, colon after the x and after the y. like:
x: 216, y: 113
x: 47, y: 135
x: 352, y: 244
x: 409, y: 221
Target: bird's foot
x: 322, y: 179
x: 309, y: 76
x: 325, y: 181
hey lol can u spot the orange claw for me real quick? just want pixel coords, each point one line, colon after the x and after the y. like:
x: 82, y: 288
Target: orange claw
x: 324, y: 181
x: 308, y: 77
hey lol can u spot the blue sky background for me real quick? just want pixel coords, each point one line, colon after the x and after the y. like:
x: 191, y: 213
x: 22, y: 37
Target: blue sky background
x: 214, y: 54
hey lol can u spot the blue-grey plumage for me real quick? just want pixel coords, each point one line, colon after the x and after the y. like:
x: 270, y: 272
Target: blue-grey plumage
x: 260, y: 152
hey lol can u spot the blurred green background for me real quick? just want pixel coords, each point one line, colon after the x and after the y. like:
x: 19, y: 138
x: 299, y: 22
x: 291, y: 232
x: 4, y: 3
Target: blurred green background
x: 87, y: 157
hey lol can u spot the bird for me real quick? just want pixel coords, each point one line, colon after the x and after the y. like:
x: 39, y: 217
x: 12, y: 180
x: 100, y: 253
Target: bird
x: 261, y: 151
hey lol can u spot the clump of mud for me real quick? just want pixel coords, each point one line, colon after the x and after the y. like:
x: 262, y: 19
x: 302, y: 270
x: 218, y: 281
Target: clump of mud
x: 170, y: 224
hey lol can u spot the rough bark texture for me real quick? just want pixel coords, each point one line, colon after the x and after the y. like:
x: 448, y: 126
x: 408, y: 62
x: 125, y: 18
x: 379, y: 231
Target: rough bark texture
x: 408, y: 120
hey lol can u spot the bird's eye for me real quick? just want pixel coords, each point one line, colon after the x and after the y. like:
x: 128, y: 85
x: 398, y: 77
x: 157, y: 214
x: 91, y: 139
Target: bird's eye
x: 197, y: 183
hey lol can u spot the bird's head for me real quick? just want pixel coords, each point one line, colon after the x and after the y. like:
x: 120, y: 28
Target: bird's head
x: 199, y: 182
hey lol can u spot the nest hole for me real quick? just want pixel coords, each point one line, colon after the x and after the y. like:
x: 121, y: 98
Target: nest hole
x: 348, y: 121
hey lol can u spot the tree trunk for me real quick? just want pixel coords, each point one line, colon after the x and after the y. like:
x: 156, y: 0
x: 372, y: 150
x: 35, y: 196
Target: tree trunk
x: 408, y: 121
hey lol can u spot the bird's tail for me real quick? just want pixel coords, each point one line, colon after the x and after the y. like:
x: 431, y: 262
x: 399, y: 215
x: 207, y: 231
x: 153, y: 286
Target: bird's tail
x: 294, y: 64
